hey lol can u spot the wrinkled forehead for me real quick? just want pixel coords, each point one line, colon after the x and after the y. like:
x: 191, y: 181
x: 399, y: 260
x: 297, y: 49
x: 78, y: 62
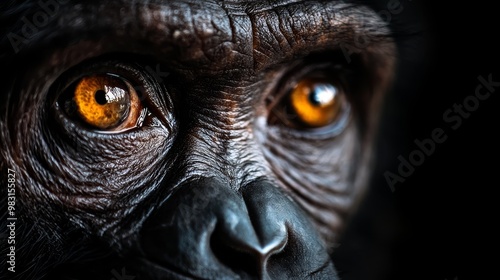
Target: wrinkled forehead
x: 218, y: 34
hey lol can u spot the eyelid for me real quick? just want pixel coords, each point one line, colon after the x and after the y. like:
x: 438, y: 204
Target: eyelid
x: 151, y: 93
x: 322, y: 133
x: 290, y: 79
x: 332, y: 71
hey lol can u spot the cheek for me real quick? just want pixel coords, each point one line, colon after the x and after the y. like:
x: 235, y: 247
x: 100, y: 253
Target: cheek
x: 85, y: 175
x: 321, y: 177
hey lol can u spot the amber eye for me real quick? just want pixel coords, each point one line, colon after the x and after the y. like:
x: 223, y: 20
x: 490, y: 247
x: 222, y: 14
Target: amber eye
x: 104, y: 102
x: 317, y: 102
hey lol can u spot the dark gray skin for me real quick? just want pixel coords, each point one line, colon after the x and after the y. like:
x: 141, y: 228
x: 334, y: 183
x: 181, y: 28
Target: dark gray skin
x: 207, y: 187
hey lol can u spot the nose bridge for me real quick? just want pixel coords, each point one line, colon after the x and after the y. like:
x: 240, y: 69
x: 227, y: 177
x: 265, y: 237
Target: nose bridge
x: 270, y: 226
x: 229, y: 151
x: 232, y: 156
x: 258, y: 233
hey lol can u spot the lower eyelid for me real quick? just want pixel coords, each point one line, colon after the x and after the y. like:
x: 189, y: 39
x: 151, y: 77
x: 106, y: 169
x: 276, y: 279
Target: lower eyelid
x: 282, y: 113
x: 318, y: 134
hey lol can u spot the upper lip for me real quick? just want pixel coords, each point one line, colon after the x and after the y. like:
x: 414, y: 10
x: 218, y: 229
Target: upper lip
x: 182, y: 274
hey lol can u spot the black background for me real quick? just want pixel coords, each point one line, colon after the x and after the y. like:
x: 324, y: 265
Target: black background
x: 441, y: 223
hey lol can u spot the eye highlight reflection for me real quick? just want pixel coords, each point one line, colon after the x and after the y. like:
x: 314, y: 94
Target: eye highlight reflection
x: 316, y: 102
x: 105, y: 102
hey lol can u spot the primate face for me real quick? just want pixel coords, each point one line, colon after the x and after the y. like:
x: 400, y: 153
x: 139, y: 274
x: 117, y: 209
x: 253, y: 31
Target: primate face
x: 188, y: 139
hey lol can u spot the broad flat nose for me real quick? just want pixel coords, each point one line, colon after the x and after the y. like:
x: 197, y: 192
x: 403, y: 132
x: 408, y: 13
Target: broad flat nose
x: 208, y: 230
x: 246, y: 239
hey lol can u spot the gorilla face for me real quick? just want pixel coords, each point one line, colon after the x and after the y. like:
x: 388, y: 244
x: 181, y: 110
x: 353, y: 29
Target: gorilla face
x: 188, y: 139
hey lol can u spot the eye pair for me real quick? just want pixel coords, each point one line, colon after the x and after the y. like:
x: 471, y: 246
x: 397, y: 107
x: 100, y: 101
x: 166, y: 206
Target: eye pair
x: 108, y: 102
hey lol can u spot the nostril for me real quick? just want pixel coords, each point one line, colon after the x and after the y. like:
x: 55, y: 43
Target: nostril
x: 242, y: 252
x: 237, y: 258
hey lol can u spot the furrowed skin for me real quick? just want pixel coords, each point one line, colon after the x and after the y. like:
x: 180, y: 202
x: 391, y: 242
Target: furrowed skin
x: 82, y: 196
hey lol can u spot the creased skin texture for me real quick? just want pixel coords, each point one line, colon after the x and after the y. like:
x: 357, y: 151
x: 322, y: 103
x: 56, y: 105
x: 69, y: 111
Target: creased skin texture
x: 81, y: 194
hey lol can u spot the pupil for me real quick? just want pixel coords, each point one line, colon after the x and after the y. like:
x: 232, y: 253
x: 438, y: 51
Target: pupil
x: 100, y: 97
x: 322, y: 95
